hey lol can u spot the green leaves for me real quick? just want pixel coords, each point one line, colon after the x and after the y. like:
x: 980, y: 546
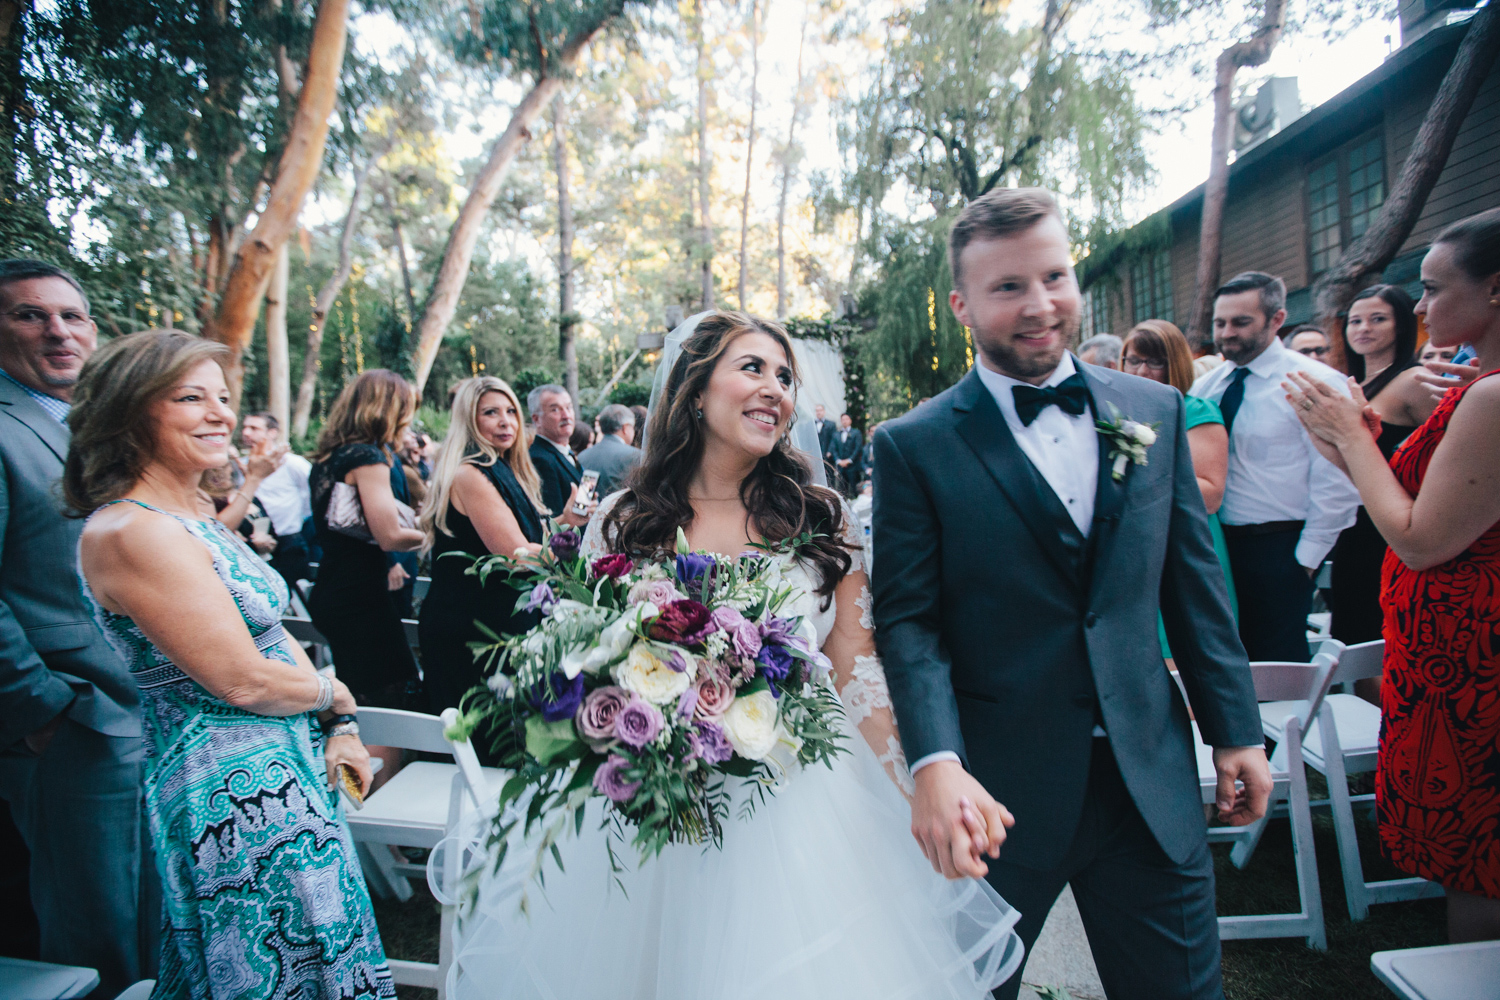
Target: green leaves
x: 548, y: 741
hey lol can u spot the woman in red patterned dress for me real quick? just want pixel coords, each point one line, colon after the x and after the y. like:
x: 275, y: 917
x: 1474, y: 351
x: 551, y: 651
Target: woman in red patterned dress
x: 1438, y: 506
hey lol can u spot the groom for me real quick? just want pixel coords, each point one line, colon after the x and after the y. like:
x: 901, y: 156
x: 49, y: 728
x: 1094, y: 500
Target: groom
x: 1017, y: 584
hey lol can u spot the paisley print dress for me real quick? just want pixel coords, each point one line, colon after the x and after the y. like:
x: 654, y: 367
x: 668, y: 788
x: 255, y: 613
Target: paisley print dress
x: 1438, y: 776
x: 263, y: 895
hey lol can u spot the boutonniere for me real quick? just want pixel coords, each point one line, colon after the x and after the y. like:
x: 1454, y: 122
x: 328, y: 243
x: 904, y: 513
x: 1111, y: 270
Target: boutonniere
x: 1128, y: 440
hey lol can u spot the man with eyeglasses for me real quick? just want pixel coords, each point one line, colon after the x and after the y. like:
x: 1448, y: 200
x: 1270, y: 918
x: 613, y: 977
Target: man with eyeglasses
x: 70, y: 726
x: 1308, y: 341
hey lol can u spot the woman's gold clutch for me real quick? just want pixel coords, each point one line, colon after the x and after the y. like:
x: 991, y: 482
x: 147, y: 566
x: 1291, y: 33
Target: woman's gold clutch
x: 350, y: 781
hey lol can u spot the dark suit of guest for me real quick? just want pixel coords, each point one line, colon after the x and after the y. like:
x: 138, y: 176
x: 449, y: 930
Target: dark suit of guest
x: 826, y: 429
x: 847, y: 444
x: 613, y: 459
x: 79, y: 805
x: 1027, y: 647
x: 558, y: 470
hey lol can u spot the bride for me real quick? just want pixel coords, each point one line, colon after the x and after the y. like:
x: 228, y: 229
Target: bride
x: 821, y: 893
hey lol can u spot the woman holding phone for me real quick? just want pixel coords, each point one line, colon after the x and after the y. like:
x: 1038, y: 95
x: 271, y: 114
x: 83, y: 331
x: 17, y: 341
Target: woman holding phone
x: 484, y: 497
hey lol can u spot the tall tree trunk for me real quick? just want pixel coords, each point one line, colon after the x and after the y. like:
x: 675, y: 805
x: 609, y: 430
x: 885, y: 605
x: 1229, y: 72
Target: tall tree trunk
x: 442, y: 299
x: 1211, y: 236
x: 399, y: 238
x: 1377, y: 247
x: 705, y: 168
x: 749, y: 150
x: 302, y: 411
x: 234, y: 322
x: 278, y: 358
x: 9, y: 11
x: 567, y: 346
x: 789, y: 159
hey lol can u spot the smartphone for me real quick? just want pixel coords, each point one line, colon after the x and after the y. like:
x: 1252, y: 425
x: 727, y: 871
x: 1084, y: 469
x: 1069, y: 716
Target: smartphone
x: 585, y: 494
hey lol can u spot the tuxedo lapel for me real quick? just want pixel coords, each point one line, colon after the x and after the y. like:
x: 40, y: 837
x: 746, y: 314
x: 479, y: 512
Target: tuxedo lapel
x: 41, y: 423
x: 983, y: 428
x: 1109, y: 496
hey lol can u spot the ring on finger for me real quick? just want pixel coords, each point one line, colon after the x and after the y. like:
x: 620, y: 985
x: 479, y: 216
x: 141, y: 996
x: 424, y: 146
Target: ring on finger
x: 1307, y: 404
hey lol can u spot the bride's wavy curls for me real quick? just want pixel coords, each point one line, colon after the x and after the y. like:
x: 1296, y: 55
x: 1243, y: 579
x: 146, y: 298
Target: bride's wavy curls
x: 779, y: 493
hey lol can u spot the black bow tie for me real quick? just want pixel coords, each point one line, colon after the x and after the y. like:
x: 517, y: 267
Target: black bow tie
x: 1071, y: 395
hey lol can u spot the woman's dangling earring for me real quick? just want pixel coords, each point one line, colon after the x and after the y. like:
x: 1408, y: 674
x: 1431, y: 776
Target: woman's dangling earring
x: 700, y: 413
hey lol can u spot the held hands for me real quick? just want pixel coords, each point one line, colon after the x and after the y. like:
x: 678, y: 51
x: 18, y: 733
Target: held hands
x: 956, y: 821
x: 1247, y: 766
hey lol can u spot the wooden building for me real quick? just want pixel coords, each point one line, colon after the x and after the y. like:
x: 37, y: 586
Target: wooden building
x: 1298, y: 197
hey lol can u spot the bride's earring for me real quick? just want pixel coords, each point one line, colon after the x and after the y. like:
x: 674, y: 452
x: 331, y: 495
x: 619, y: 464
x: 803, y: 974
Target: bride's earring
x: 700, y: 413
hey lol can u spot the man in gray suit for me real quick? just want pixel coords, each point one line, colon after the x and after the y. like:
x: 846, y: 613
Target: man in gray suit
x: 614, y: 456
x: 1019, y: 568
x: 70, y: 728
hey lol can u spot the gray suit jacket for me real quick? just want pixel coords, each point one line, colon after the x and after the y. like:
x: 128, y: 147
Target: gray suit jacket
x: 1006, y: 634
x: 613, y: 459
x: 52, y: 655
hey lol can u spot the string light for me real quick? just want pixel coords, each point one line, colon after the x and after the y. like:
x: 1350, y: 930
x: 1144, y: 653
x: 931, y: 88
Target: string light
x: 932, y: 324
x: 968, y: 348
x: 473, y: 360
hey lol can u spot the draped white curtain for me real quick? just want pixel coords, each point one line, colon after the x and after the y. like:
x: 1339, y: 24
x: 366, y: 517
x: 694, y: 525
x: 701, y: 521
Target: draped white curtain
x: 822, y: 369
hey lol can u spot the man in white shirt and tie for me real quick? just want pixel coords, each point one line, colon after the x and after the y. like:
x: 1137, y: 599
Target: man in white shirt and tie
x: 1284, y: 504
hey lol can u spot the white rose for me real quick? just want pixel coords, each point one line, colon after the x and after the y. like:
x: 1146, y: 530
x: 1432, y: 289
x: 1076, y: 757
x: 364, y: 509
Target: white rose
x: 1143, y: 435
x: 783, y: 755
x: 750, y: 724
x: 651, y: 677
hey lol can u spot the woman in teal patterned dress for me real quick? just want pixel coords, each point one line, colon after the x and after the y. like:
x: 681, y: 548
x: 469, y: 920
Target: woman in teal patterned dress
x: 1157, y: 350
x: 264, y: 897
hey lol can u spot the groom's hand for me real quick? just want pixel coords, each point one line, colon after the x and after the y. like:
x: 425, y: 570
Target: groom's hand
x: 944, y: 822
x: 1247, y: 765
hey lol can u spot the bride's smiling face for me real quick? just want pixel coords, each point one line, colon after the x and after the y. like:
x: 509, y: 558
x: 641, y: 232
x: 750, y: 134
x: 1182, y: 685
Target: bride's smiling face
x: 749, y: 401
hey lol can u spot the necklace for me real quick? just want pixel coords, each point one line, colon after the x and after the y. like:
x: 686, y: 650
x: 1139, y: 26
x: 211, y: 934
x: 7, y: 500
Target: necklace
x: 1372, y: 376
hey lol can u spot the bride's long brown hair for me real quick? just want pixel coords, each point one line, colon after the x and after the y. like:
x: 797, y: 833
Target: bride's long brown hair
x: 779, y: 494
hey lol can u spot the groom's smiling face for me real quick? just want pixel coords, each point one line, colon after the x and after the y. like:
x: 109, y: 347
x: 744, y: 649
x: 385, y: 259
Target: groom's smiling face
x: 1019, y: 297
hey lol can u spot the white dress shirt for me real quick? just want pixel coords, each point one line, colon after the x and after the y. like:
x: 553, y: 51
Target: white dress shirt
x: 286, y: 496
x: 1064, y: 449
x: 1275, y: 472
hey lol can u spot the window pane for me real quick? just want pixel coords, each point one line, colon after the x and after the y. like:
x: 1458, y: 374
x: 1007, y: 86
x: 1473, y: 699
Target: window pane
x: 1323, y: 215
x: 1366, y: 185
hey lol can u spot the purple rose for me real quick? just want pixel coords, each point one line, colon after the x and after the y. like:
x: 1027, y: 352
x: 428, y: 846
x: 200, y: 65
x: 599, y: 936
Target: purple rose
x: 695, y: 571
x: 541, y: 599
x: 682, y: 622
x: 779, y: 631
x: 610, y: 780
x: 707, y: 742
x: 564, y: 544
x: 743, y: 635
x: 639, y: 722
x: 775, y: 664
x: 658, y: 592
x: 557, y: 697
x: 596, y: 716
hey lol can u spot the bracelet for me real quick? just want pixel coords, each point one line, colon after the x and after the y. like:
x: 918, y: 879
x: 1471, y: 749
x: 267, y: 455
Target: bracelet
x: 339, y: 720
x: 346, y: 729
x: 325, y: 695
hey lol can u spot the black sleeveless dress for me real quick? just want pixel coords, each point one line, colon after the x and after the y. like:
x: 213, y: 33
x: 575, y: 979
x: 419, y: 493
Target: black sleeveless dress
x: 455, y: 600
x: 1354, y: 597
x: 350, y: 604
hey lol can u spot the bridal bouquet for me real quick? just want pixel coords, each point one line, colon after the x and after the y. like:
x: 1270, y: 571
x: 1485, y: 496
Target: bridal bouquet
x: 650, y: 685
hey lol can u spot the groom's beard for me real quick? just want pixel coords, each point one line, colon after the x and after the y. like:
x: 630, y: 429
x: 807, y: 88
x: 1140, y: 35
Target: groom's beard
x: 1003, y: 356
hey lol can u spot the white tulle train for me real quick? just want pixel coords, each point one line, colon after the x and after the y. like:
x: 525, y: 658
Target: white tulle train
x: 822, y: 895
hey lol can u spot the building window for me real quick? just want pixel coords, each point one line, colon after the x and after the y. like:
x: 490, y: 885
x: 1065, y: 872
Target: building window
x: 1095, y: 318
x: 1151, y: 287
x: 1344, y: 193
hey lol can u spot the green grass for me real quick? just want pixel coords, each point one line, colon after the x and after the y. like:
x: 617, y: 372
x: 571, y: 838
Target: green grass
x: 1284, y: 969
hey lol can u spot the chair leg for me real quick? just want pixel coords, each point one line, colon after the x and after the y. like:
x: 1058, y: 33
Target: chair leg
x: 380, y: 868
x: 1343, y: 817
x: 1243, y: 849
x: 445, y: 949
x: 1302, y: 842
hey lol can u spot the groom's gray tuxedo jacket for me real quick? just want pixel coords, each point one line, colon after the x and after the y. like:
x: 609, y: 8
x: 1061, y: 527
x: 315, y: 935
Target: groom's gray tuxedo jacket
x: 1007, y: 636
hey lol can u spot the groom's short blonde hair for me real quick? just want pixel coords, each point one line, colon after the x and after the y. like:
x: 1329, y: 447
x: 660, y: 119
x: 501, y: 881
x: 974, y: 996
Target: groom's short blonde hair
x: 995, y: 215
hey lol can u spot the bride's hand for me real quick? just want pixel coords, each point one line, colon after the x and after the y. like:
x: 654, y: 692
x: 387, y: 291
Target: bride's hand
x: 940, y: 826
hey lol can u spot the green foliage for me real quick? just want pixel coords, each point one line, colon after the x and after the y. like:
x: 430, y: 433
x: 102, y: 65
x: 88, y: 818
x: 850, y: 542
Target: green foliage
x: 631, y: 393
x: 528, y: 379
x: 847, y: 334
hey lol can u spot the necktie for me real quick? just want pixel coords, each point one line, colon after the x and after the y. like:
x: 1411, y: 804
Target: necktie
x: 1071, y: 395
x: 1229, y: 403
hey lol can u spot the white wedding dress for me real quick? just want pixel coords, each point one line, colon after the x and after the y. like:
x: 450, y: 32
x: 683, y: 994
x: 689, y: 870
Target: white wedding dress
x: 821, y: 895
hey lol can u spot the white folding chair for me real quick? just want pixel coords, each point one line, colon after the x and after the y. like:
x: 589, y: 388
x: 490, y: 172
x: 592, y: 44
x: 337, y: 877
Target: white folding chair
x: 304, y: 631
x: 1350, y: 747
x: 21, y: 979
x: 140, y: 991
x: 1444, y: 972
x: 419, y: 589
x: 1305, y: 684
x: 418, y: 807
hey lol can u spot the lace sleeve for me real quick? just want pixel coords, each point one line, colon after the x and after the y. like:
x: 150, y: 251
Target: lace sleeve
x: 593, y: 535
x: 857, y: 671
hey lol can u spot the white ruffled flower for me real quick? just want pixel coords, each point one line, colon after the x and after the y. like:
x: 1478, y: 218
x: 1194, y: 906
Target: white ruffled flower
x: 652, y: 677
x: 1140, y: 433
x: 751, y: 724
x: 501, y: 685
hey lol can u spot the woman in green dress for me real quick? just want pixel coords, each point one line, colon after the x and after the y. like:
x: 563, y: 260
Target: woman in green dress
x: 263, y: 894
x: 1157, y: 350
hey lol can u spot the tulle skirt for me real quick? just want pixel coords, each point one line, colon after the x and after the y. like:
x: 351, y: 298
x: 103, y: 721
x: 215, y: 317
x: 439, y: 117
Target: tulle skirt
x: 821, y: 895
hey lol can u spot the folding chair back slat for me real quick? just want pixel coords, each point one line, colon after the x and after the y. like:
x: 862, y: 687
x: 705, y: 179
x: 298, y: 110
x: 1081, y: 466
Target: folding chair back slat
x: 1361, y: 661
x: 392, y: 727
